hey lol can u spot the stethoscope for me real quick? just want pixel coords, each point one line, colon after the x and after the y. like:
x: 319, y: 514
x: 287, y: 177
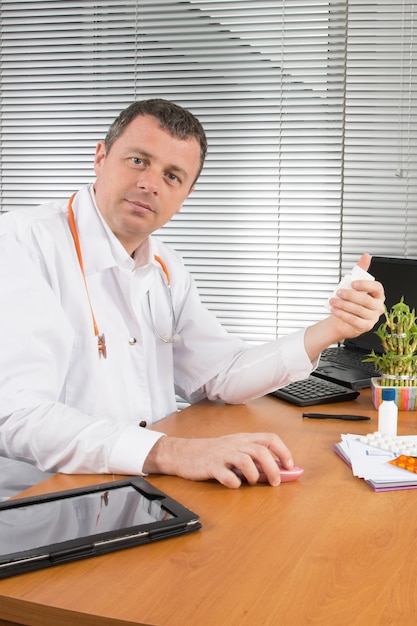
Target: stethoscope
x: 101, y: 340
x: 174, y: 336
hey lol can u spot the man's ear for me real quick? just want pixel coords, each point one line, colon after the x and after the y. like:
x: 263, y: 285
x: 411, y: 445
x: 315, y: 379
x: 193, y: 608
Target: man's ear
x: 100, y: 156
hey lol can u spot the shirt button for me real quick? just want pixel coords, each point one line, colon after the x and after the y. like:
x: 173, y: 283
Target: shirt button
x: 143, y: 424
x: 132, y: 341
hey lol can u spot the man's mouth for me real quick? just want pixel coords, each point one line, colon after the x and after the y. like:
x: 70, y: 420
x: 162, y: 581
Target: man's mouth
x: 140, y: 206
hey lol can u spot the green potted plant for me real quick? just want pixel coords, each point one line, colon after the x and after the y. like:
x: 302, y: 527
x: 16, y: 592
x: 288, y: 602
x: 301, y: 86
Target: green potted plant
x: 397, y: 365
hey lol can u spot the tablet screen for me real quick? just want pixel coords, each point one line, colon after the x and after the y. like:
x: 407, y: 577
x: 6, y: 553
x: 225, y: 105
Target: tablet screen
x: 64, y: 519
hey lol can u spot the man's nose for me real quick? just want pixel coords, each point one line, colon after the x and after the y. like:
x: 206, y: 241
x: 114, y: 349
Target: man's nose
x: 149, y: 181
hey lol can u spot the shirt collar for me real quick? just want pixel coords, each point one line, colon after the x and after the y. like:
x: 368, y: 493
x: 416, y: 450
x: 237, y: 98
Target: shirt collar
x: 100, y: 247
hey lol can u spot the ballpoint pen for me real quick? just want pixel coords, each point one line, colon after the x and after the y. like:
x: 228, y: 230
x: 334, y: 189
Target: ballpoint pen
x: 337, y: 416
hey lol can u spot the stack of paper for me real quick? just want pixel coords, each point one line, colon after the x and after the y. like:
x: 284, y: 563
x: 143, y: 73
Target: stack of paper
x: 372, y: 464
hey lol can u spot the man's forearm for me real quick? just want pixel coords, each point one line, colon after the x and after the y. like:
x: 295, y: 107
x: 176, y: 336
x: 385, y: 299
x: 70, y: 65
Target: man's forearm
x: 320, y: 336
x: 261, y: 369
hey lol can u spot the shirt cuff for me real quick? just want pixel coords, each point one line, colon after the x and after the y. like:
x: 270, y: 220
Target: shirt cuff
x: 131, y: 449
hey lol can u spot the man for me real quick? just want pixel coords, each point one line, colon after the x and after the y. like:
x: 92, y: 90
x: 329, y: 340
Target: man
x: 101, y: 325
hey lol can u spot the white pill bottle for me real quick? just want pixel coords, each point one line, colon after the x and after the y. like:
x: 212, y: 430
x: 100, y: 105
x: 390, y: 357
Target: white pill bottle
x: 388, y: 413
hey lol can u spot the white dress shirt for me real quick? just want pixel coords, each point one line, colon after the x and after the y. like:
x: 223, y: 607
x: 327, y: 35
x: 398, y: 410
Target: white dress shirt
x: 62, y: 406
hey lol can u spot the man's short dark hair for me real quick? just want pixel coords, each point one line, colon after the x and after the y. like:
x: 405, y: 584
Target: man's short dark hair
x: 175, y: 119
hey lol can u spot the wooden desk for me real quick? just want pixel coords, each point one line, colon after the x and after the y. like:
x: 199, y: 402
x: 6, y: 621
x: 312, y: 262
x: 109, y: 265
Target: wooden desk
x: 323, y: 550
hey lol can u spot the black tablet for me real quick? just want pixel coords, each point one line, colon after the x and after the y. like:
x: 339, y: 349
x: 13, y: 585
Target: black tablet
x: 47, y: 530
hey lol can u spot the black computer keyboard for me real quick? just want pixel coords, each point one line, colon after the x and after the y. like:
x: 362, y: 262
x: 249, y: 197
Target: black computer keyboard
x: 314, y: 390
x: 348, y: 357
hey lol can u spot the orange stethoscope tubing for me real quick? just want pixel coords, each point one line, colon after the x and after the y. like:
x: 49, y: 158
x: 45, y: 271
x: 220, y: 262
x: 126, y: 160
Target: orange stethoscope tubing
x: 101, y: 340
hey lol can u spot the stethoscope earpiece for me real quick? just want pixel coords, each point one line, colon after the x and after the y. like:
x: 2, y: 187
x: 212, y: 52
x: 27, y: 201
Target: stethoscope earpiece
x: 167, y: 338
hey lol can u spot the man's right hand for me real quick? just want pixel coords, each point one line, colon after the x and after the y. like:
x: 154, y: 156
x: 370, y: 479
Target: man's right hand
x: 215, y: 458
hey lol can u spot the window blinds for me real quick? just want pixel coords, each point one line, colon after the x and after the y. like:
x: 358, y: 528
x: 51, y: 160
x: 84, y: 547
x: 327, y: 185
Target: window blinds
x: 262, y: 232
x: 287, y: 196
x: 380, y: 156
x: 66, y: 68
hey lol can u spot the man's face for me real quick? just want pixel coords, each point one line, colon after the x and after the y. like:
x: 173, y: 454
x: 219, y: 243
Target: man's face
x: 144, y: 179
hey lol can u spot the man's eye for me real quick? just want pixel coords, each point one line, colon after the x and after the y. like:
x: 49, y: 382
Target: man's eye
x: 173, y: 177
x: 137, y: 160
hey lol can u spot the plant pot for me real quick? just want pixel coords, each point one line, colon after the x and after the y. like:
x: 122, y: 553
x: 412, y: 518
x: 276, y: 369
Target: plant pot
x: 405, y: 397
